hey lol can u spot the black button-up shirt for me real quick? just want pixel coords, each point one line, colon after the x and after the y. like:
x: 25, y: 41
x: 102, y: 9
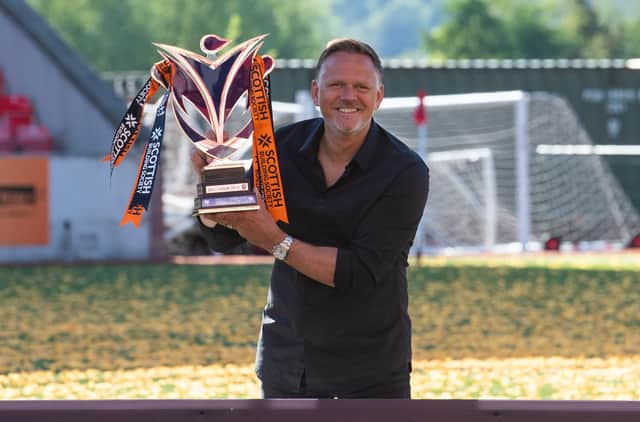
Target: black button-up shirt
x: 356, y: 334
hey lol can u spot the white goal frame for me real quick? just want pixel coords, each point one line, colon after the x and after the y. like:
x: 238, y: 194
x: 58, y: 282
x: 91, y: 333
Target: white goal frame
x: 518, y: 211
x: 488, y: 208
x: 520, y: 100
x: 528, y: 120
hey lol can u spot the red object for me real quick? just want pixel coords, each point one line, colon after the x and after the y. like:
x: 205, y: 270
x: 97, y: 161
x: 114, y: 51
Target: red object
x: 552, y: 244
x: 18, y: 110
x: 635, y: 242
x: 34, y: 138
x: 15, y: 104
x: 420, y: 115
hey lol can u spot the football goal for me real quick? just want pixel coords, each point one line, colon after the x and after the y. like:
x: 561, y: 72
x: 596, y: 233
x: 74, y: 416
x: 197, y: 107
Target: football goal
x: 534, y: 195
x: 498, y: 182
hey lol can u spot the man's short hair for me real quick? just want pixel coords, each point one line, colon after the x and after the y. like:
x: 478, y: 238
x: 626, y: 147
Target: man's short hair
x: 349, y: 45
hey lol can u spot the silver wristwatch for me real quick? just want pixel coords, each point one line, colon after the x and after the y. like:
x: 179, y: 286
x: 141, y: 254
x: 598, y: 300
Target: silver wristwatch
x: 281, y: 250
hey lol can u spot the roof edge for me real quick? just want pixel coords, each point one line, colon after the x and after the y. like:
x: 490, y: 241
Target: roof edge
x: 99, y: 93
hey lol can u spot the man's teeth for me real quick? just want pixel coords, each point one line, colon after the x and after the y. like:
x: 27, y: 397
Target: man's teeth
x: 347, y: 110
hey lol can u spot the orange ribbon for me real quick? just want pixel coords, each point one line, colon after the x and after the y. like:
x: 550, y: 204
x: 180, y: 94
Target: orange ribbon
x: 266, y: 170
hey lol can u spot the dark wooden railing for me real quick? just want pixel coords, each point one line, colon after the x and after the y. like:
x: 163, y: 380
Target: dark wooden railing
x: 318, y: 410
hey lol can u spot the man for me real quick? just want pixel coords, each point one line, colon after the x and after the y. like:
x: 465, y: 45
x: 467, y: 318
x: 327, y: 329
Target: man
x: 336, y: 321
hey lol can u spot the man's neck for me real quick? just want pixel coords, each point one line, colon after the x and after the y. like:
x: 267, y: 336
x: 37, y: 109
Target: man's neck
x: 340, y: 149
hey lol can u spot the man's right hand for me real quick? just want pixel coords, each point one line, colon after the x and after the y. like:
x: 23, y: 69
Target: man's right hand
x: 199, y: 160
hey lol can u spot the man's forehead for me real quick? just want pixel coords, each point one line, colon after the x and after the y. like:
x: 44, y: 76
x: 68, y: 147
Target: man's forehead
x: 344, y: 59
x: 340, y: 56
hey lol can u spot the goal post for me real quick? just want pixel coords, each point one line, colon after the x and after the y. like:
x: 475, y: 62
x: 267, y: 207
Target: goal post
x: 501, y: 179
x: 572, y: 197
x: 522, y: 168
x: 469, y: 182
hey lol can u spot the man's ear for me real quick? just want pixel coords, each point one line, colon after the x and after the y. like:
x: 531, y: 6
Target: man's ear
x: 314, y: 92
x: 379, y: 95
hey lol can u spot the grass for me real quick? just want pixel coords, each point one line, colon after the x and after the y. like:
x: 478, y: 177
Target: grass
x: 189, y: 331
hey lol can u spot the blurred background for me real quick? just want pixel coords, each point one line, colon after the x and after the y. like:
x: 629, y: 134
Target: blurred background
x: 69, y: 69
x: 557, y: 137
x: 549, y: 160
x: 524, y: 273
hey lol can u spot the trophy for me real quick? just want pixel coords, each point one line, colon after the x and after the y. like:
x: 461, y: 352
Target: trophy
x: 221, y: 104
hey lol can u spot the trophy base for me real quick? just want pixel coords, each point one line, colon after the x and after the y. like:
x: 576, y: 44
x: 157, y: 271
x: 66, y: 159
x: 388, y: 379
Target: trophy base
x: 224, y: 187
x: 216, y: 204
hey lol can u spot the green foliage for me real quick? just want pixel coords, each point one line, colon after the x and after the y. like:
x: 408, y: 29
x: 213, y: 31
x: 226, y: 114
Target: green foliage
x: 118, y: 34
x: 542, y: 29
x: 466, y: 32
x: 393, y: 27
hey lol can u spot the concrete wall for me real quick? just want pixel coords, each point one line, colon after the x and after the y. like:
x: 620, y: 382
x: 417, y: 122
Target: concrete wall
x: 80, y: 192
x: 78, y: 126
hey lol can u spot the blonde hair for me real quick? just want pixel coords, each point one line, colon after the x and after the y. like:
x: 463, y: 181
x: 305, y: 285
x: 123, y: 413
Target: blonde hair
x: 349, y: 45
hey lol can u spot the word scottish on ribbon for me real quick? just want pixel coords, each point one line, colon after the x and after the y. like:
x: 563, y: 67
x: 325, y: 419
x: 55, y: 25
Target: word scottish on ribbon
x: 127, y: 134
x: 148, y: 169
x: 266, y: 170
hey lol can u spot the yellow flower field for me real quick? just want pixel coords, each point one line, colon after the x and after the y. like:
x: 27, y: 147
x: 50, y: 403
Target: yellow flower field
x: 523, y: 378
x: 481, y: 330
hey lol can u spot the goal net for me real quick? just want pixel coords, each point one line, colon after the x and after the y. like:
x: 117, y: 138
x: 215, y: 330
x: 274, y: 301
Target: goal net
x: 467, y: 181
x: 534, y: 196
x: 494, y: 186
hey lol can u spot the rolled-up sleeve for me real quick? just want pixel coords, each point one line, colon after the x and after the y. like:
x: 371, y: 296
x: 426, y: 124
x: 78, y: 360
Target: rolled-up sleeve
x: 384, y: 234
x: 220, y: 238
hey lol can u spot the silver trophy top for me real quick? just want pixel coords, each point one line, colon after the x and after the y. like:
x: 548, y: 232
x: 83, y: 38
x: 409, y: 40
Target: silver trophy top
x: 209, y: 95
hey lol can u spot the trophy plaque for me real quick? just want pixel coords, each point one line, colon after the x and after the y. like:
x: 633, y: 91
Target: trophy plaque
x: 224, y: 186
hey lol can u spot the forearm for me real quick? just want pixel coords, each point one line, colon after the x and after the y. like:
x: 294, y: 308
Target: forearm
x: 218, y: 238
x: 259, y: 229
x: 316, y: 262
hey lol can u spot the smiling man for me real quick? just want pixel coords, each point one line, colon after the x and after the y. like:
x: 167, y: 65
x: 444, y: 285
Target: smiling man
x: 336, y: 322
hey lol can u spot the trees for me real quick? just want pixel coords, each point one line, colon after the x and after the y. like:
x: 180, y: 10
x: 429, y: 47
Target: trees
x: 118, y: 34
x: 472, y: 28
x: 392, y: 27
x: 541, y: 29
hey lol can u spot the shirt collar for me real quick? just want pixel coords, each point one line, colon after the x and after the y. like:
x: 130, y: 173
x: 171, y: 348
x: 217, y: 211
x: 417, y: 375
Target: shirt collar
x: 363, y: 157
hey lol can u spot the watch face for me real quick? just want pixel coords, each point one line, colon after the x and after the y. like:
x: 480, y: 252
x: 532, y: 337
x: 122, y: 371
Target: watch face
x: 280, y: 250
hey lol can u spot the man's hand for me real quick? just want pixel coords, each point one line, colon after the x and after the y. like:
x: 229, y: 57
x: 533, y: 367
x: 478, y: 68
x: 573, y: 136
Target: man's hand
x: 257, y: 227
x: 199, y: 160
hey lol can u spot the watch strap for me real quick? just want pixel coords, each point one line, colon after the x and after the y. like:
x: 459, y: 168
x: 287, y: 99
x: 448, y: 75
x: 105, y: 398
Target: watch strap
x: 281, y: 250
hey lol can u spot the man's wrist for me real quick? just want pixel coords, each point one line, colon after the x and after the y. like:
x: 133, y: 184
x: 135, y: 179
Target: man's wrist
x: 281, y: 250
x: 207, y: 222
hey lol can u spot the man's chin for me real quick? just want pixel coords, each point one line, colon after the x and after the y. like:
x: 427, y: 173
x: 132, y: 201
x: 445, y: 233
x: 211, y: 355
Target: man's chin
x: 350, y: 127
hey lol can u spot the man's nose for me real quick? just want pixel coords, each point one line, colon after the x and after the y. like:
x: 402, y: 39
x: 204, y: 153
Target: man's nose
x: 348, y: 92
